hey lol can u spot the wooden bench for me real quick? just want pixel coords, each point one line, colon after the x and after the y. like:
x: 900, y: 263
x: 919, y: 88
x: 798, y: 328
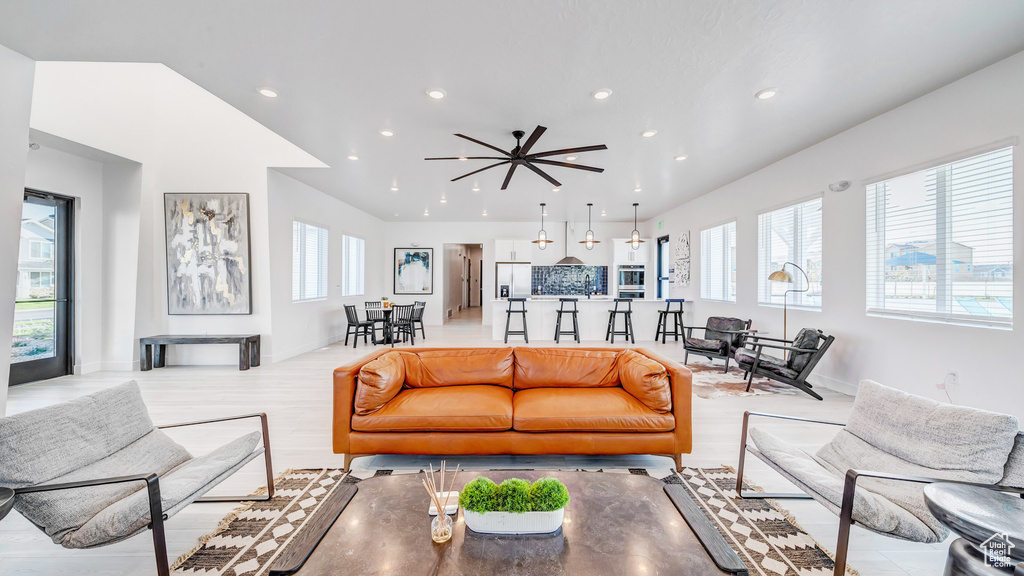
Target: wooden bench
x: 248, y: 348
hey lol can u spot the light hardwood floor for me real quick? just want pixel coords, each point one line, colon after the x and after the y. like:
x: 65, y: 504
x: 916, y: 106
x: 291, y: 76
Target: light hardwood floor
x: 296, y: 394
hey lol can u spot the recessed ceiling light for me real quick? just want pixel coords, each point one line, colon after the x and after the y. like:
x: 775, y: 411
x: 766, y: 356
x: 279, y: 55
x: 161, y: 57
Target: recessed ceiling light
x: 268, y: 92
x: 484, y: 213
x: 476, y: 189
x: 601, y: 94
x: 648, y: 133
x: 463, y: 158
x: 396, y: 213
x: 394, y: 188
x: 444, y: 200
x: 681, y: 157
x: 426, y: 212
x: 603, y: 213
x: 766, y: 93
x: 637, y: 189
x: 570, y: 158
x: 555, y: 189
x: 353, y: 157
x: 436, y: 93
x: 386, y: 132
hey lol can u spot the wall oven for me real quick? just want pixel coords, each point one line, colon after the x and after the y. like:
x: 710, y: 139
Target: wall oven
x: 631, y: 277
x: 634, y: 294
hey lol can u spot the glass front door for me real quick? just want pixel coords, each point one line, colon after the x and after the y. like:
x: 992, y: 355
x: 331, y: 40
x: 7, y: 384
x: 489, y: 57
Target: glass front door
x: 663, y: 267
x: 42, y: 309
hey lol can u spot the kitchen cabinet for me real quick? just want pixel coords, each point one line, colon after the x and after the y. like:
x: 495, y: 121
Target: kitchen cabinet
x: 624, y: 253
x: 512, y: 250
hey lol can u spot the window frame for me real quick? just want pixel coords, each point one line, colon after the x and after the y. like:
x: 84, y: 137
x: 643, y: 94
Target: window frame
x: 322, y: 289
x: 872, y: 284
x: 728, y: 263
x: 762, y: 274
x: 346, y: 290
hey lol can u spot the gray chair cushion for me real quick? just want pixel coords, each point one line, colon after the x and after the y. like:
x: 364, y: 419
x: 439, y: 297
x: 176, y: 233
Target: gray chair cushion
x: 715, y: 346
x: 63, y: 511
x: 745, y: 357
x: 927, y: 433
x: 47, y: 443
x: 178, y: 488
x: 807, y: 339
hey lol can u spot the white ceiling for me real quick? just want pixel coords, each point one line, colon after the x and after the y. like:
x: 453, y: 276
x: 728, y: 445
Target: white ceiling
x: 346, y: 70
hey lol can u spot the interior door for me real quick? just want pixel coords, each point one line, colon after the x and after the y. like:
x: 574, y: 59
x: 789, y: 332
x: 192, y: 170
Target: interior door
x: 42, y: 309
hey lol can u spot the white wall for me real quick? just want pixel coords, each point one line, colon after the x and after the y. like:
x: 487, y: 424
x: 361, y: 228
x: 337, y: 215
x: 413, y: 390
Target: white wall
x: 186, y: 140
x: 16, y: 73
x: 299, y: 327
x: 436, y: 234
x: 982, y: 108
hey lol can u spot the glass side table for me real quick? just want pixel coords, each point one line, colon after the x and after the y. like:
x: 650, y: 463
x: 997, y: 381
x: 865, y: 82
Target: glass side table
x: 991, y: 526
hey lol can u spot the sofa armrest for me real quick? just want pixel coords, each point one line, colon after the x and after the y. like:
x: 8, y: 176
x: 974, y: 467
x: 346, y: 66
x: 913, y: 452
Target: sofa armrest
x: 344, y: 399
x: 681, y: 381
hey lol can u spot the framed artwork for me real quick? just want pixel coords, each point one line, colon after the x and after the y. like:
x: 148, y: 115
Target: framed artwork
x: 414, y: 271
x: 208, y: 253
x: 681, y: 271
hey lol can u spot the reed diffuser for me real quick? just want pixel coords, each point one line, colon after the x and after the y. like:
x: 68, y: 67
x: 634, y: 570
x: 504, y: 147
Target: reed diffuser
x: 441, y: 525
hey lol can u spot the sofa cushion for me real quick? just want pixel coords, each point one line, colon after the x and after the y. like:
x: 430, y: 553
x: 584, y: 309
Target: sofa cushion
x: 646, y: 380
x: 585, y: 410
x: 178, y: 488
x: 469, y: 408
x: 458, y: 366
x: 565, y: 368
x: 928, y: 433
x: 61, y: 512
x: 40, y: 445
x: 379, y: 381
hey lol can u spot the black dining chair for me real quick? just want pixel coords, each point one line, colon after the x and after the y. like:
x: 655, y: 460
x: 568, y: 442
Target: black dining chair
x: 376, y: 316
x: 417, y: 317
x: 356, y: 326
x: 401, y: 324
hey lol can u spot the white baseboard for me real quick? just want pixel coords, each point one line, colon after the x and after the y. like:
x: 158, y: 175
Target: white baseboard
x: 89, y: 368
x: 833, y: 384
x: 279, y: 356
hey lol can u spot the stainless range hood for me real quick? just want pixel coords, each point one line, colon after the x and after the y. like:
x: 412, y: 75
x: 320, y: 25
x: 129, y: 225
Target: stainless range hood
x: 568, y: 260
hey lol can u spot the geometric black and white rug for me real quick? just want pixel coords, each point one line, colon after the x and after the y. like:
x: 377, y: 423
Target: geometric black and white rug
x: 249, y: 540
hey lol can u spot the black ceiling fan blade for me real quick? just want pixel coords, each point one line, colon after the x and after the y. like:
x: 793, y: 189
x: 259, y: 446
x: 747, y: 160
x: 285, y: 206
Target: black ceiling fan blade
x: 566, y: 165
x: 468, y: 158
x: 481, y: 170
x: 542, y: 174
x: 567, y: 151
x: 496, y: 149
x: 537, y: 132
x: 508, y: 177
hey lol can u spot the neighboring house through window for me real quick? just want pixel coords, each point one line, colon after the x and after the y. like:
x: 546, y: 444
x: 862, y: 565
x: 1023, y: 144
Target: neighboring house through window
x: 790, y: 234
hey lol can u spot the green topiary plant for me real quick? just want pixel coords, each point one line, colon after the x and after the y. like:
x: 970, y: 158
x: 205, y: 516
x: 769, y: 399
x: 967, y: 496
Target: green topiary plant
x: 514, y: 496
x: 479, y: 495
x: 548, y: 494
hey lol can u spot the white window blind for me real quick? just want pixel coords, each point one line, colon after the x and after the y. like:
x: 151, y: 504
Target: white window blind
x: 353, y: 266
x: 718, y: 263
x: 790, y: 234
x: 940, y: 242
x: 309, y: 262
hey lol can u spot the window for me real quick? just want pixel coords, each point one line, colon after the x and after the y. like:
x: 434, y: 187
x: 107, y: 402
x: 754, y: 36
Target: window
x: 790, y: 234
x: 40, y: 279
x: 40, y: 250
x: 353, y: 266
x: 718, y: 263
x: 940, y: 242
x: 309, y: 262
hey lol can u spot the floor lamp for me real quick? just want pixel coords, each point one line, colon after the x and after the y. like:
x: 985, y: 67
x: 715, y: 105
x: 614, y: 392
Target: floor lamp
x: 781, y: 275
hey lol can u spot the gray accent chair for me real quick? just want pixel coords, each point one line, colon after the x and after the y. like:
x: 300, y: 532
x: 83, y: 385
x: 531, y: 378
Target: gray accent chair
x: 95, y: 470
x: 873, y: 472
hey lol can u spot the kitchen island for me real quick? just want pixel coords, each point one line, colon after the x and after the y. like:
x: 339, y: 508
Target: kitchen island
x: 542, y: 312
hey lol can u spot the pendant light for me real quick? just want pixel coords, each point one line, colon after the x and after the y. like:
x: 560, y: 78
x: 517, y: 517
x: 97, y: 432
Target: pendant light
x: 542, y: 236
x: 590, y: 233
x: 634, y: 238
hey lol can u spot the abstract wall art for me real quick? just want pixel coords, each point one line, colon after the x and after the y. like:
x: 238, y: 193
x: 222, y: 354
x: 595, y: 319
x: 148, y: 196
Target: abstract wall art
x: 681, y: 270
x: 208, y: 254
x: 414, y: 270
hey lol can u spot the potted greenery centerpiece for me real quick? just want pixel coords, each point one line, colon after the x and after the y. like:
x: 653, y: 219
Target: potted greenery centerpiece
x: 384, y: 302
x: 515, y: 506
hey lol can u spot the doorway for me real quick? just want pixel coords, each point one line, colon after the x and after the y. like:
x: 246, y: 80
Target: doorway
x: 42, y: 311
x: 663, y: 267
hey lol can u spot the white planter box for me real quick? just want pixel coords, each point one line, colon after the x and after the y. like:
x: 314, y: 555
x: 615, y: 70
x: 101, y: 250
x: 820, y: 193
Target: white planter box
x: 512, y: 523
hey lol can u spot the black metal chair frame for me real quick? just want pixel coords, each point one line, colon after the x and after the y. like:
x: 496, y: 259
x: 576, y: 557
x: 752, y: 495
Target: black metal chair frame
x: 508, y: 319
x: 417, y: 318
x: 375, y: 315
x: 627, y: 323
x: 849, y: 486
x: 677, y: 320
x: 356, y: 327
x: 152, y: 481
x: 402, y: 323
x: 729, y: 350
x: 575, y: 320
x: 800, y: 381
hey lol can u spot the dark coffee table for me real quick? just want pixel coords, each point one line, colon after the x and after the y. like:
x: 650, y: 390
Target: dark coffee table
x: 614, y: 524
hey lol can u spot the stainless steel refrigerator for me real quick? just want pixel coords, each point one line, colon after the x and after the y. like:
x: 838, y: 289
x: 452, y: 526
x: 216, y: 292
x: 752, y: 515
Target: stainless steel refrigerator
x: 513, y: 280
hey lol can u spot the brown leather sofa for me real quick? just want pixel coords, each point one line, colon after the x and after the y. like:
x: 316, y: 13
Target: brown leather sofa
x: 521, y: 400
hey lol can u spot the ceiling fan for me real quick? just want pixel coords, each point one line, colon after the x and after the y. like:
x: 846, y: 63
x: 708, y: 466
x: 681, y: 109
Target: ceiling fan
x: 520, y: 156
